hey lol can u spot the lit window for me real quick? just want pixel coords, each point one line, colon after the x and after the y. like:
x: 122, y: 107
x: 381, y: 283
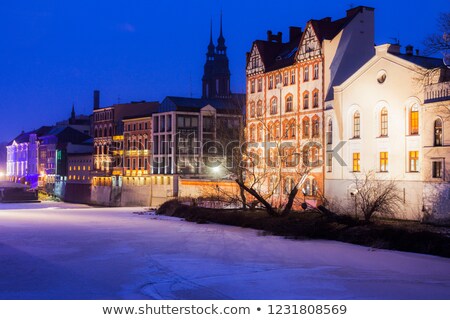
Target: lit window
x: 383, y: 161
x: 252, y: 109
x: 414, y: 120
x: 285, y: 78
x: 384, y: 123
x: 356, y: 158
x: 315, y: 128
x: 293, y: 77
x: 252, y: 86
x: 413, y: 161
x: 271, y: 82
x: 259, y: 85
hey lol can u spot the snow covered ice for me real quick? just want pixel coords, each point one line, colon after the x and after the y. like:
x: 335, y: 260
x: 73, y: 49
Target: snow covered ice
x: 67, y: 251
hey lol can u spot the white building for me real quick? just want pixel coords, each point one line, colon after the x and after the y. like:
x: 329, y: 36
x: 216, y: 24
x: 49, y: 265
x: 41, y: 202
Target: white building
x: 387, y: 125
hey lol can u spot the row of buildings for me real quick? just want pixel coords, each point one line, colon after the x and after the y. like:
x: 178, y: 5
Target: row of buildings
x: 327, y: 93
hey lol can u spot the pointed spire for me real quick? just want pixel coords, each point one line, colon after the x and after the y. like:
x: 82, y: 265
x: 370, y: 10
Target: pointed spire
x: 221, y: 49
x: 72, y: 114
x: 211, y: 46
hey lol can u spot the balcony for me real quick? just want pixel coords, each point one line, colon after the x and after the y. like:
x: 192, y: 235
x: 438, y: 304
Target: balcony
x: 437, y: 92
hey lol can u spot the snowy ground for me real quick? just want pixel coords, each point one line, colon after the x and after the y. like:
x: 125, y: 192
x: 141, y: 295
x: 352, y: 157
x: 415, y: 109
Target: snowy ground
x: 66, y: 251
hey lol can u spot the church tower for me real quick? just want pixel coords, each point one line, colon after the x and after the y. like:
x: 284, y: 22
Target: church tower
x: 216, y: 77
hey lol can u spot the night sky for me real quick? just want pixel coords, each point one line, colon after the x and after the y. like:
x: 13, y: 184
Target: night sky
x: 55, y: 53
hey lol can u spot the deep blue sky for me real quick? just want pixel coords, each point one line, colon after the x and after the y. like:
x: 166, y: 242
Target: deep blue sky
x: 55, y: 53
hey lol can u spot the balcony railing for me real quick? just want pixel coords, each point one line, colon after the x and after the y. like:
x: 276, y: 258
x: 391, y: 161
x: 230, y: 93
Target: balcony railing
x: 437, y: 92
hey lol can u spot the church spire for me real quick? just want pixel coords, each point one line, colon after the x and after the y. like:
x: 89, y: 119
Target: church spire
x: 211, y: 46
x: 72, y: 114
x: 221, y: 48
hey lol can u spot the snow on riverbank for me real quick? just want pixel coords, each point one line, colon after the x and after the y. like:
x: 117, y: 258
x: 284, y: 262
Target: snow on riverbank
x: 67, y: 251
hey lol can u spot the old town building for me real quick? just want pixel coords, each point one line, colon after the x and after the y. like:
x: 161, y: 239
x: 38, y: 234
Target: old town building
x: 287, y: 84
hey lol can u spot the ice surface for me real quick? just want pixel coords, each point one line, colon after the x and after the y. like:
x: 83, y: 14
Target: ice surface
x: 66, y: 251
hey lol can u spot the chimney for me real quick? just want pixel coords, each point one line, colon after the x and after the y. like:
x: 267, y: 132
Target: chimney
x: 274, y: 38
x: 409, y: 50
x: 394, y: 48
x: 96, y: 99
x: 294, y: 33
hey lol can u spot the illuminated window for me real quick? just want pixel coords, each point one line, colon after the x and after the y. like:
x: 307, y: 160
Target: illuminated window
x: 289, y: 104
x: 252, y: 86
x: 356, y: 158
x: 384, y: 123
x: 293, y: 77
x: 438, y: 132
x: 271, y: 82
x: 356, y: 125
x: 414, y: 120
x: 259, y: 84
x: 383, y: 161
x: 413, y: 161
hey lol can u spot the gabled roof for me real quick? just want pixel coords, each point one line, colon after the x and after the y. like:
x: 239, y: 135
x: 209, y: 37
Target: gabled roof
x: 328, y: 29
x: 67, y: 134
x: 277, y: 55
x: 25, y: 136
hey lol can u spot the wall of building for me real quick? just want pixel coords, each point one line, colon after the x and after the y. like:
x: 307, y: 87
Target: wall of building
x: 77, y: 193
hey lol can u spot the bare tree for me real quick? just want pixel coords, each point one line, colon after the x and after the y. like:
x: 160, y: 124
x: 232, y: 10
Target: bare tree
x: 374, y: 195
x: 439, y: 42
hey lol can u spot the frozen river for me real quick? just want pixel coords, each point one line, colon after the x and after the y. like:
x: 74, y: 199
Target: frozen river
x: 64, y: 251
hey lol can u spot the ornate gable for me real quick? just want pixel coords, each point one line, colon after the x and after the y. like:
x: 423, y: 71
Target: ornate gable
x: 254, y: 64
x: 309, y: 45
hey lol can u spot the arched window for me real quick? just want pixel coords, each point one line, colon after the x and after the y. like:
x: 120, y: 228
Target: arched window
x: 306, y: 100
x: 292, y: 128
x: 273, y: 106
x: 356, y: 125
x: 305, y: 124
x: 288, y: 185
x: 95, y: 132
x: 270, y: 131
x: 260, y: 132
x: 285, y: 129
x: 259, y: 110
x: 384, y: 123
x: 330, y: 132
x: 307, y: 188
x: 316, y: 99
x: 315, y: 128
x: 315, y: 188
x: 252, y: 109
x: 276, y: 129
x: 438, y: 132
x: 289, y: 104
x: 110, y: 133
x: 105, y: 132
x: 414, y: 120
x: 252, y: 133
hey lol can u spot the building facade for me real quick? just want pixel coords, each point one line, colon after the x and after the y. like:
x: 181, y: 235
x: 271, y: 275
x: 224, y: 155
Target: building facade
x: 287, y: 85
x: 390, y: 119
